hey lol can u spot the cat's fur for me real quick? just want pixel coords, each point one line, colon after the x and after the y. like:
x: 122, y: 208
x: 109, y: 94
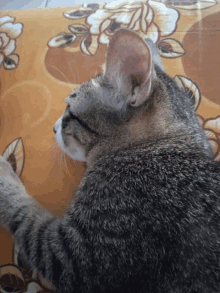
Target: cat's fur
x: 146, y: 215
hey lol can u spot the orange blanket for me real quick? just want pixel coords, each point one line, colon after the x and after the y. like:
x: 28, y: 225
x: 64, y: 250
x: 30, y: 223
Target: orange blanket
x: 45, y: 53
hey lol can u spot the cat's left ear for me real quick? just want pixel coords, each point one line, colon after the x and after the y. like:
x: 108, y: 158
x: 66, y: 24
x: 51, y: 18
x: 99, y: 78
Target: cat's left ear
x: 129, y: 66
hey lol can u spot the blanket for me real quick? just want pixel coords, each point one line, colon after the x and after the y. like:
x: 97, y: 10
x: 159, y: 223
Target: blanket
x: 46, y: 53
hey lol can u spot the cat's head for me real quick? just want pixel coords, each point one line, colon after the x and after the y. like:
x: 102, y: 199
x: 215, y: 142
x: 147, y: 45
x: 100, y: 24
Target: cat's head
x: 133, y: 100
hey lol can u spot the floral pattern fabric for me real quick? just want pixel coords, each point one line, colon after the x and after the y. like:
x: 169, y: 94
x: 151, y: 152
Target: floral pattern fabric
x: 46, y: 53
x: 9, y: 32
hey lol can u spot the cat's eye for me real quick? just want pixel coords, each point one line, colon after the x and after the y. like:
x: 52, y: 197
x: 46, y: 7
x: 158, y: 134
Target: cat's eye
x: 73, y: 95
x: 72, y: 116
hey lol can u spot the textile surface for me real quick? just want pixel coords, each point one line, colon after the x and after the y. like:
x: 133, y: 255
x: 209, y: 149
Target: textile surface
x: 45, y: 53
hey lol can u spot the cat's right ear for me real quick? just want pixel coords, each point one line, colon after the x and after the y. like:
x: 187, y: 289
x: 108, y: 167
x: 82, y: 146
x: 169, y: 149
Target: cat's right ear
x: 155, y: 54
x: 129, y: 66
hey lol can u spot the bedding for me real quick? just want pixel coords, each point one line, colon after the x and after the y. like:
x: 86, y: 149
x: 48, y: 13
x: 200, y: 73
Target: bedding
x: 46, y: 53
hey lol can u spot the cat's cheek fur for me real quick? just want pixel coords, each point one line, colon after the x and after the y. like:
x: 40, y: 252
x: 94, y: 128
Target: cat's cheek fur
x: 74, y: 150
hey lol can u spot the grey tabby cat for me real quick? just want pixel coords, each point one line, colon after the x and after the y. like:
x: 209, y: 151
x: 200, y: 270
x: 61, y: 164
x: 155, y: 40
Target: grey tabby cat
x: 146, y: 215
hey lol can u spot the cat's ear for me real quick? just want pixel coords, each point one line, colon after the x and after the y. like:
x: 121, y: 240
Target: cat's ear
x: 129, y: 66
x: 155, y: 54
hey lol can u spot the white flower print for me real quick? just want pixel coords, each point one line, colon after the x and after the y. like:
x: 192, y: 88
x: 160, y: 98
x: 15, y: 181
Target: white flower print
x: 150, y: 19
x: 9, y: 32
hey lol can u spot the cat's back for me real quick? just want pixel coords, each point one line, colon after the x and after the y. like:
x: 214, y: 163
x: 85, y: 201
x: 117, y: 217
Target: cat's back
x: 157, y: 213
x: 172, y: 165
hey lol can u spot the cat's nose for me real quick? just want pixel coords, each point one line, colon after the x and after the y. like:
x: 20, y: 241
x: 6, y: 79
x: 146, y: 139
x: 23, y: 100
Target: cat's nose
x: 54, y: 130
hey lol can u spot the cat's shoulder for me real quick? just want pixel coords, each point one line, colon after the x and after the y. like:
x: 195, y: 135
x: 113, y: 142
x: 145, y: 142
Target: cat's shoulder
x: 180, y: 163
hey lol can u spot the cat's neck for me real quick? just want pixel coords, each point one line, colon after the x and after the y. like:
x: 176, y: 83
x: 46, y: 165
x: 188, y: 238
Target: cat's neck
x: 181, y: 140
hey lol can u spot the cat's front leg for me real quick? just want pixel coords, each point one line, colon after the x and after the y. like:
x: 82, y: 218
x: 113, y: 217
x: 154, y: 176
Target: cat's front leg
x: 19, y: 212
x: 15, y: 202
x: 42, y: 239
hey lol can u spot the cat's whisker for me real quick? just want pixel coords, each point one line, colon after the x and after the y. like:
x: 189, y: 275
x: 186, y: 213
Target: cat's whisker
x: 60, y: 159
x: 50, y: 150
x: 19, y: 152
x: 66, y: 165
x: 68, y: 82
x: 63, y: 156
x: 10, y: 276
x: 53, y: 149
x: 19, y: 158
x: 77, y: 77
x: 55, y: 153
x: 54, y: 145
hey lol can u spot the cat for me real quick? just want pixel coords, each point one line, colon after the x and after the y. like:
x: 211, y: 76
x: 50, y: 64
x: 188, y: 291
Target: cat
x: 146, y: 215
